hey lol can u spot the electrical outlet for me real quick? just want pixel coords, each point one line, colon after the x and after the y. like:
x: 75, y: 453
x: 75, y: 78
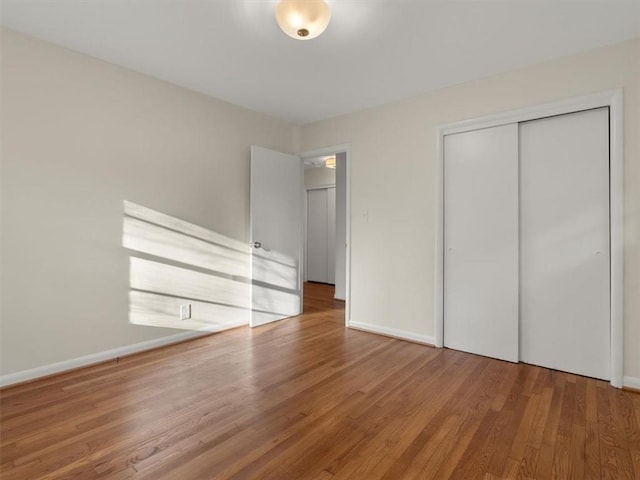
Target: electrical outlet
x: 185, y: 311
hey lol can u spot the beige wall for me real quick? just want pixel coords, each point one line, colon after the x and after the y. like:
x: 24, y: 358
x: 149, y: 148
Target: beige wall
x: 394, y: 153
x: 79, y: 136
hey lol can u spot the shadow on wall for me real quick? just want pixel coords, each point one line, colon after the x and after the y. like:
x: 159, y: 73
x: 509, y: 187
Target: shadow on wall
x: 178, y: 263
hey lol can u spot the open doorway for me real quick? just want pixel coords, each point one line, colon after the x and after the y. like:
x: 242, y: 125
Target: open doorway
x: 278, y: 227
x: 325, y: 230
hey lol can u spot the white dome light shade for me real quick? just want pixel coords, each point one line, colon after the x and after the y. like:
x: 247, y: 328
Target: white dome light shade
x: 303, y: 19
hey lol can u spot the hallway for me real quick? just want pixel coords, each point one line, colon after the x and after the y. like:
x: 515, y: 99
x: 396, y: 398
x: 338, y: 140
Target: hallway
x: 318, y: 297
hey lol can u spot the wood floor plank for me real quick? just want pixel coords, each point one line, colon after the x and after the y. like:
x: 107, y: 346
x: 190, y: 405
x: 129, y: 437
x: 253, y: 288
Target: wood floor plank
x: 544, y: 467
x: 608, y: 463
x: 634, y: 405
x: 478, y: 408
x: 518, y: 446
x: 398, y: 430
x: 529, y: 463
x: 577, y: 444
x: 560, y: 468
x: 305, y: 398
x: 510, y: 420
x: 625, y: 433
x: 592, y: 467
x: 434, y: 444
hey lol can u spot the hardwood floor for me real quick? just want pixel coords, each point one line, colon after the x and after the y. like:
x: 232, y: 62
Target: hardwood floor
x: 306, y: 398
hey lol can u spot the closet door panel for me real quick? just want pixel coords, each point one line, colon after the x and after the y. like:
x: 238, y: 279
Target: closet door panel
x: 481, y: 242
x: 317, y: 236
x: 564, y: 215
x: 331, y: 235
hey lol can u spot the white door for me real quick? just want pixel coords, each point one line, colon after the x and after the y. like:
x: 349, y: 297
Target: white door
x: 276, y: 235
x: 321, y: 235
x: 331, y: 235
x: 317, y: 248
x: 564, y: 217
x: 481, y: 242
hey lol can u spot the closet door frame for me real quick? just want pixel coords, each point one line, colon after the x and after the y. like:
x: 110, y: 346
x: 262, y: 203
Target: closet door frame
x: 612, y: 99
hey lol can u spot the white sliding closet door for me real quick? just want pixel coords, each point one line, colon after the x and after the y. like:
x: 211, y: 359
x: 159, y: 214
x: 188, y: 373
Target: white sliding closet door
x: 317, y: 254
x: 321, y: 231
x: 331, y: 235
x: 481, y: 242
x: 564, y: 234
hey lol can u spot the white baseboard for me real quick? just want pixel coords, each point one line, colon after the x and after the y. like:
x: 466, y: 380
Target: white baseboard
x: 631, y: 382
x: 72, y: 364
x: 393, y: 332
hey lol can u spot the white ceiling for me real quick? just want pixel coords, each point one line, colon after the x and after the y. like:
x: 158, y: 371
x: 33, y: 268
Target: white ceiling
x: 373, y: 52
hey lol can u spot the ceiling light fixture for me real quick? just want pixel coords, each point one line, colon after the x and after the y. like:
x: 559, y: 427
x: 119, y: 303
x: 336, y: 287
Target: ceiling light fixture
x: 330, y: 162
x: 303, y: 19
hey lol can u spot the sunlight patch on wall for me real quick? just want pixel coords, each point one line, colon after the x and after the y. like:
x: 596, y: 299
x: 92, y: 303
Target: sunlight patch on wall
x: 157, y: 234
x: 160, y: 311
x: 178, y: 263
x: 276, y: 269
x: 275, y: 286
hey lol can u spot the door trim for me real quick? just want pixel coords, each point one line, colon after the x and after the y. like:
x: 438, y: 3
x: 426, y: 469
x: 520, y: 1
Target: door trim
x: 347, y: 268
x: 612, y: 99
